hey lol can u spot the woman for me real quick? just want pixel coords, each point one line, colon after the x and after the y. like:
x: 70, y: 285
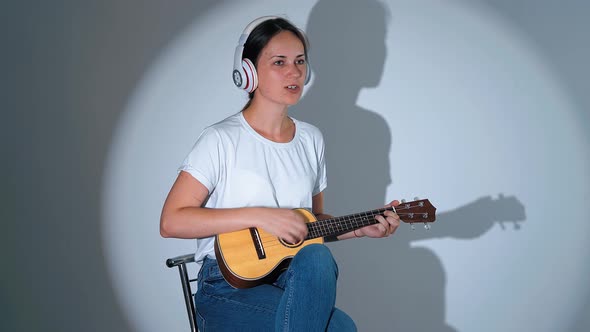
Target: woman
x: 251, y: 170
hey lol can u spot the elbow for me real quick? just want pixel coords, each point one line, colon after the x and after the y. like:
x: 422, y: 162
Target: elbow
x: 165, y: 229
x: 164, y: 233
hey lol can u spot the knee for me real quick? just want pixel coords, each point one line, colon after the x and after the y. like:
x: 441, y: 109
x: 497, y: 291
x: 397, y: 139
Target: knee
x: 317, y: 257
x: 316, y: 253
x: 340, y: 321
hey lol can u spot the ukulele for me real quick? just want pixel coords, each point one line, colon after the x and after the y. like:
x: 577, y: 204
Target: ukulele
x: 251, y: 257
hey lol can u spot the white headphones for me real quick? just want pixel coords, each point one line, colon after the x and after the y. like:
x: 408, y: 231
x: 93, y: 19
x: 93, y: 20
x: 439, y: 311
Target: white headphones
x: 244, y: 74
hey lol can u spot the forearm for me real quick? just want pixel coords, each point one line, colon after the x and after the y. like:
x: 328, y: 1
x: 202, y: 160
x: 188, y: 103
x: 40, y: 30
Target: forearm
x: 197, y: 222
x: 349, y: 235
x: 345, y: 236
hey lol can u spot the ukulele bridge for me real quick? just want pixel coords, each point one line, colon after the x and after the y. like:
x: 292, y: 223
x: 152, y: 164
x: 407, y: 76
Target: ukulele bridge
x: 257, y: 243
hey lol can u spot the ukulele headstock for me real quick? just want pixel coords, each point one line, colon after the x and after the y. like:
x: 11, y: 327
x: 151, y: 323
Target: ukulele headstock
x: 417, y: 211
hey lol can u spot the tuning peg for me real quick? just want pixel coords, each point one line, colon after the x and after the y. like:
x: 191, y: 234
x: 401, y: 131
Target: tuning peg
x: 403, y: 200
x: 416, y: 198
x: 427, y: 226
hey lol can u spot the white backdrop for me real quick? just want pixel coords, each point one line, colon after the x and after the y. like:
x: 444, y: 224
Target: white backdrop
x: 469, y: 101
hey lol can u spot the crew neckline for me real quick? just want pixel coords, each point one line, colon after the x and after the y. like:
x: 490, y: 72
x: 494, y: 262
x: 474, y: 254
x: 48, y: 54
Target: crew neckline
x: 266, y: 140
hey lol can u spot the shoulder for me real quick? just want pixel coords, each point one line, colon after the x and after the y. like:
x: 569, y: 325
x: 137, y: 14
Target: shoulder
x: 308, y: 130
x: 223, y: 129
x: 230, y: 123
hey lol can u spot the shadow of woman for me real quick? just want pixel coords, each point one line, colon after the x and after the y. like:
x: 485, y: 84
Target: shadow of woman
x: 385, y: 285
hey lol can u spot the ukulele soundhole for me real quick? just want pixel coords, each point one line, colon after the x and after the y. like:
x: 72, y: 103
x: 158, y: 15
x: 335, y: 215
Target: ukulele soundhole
x: 290, y: 245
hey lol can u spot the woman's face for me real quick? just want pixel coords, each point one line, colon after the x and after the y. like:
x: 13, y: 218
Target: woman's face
x: 281, y: 70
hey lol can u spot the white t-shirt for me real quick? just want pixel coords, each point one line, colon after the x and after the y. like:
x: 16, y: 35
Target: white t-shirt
x: 241, y: 168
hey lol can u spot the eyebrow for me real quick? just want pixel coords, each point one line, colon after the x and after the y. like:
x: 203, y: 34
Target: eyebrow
x: 284, y: 56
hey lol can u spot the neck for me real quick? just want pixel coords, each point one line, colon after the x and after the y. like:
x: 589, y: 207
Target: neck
x: 270, y: 121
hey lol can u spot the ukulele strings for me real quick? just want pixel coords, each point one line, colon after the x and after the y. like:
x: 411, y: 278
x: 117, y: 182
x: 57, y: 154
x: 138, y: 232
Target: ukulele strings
x: 320, y: 228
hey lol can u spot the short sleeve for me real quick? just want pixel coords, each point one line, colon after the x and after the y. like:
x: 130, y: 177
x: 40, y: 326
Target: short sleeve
x: 321, y: 180
x: 204, y: 160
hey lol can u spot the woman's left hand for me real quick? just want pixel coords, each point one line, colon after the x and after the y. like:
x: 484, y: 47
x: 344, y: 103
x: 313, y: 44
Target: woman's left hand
x: 387, y: 224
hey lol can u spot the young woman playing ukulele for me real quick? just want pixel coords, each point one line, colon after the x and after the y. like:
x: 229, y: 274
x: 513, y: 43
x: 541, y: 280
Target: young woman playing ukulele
x: 252, y: 170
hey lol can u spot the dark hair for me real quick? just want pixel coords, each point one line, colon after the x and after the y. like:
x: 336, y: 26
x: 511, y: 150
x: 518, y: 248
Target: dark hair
x: 262, y: 34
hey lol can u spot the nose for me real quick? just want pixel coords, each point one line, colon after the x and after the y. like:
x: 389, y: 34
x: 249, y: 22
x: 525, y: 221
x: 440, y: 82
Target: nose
x: 296, y: 70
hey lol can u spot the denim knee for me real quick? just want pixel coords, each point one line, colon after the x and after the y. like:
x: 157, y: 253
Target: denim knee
x: 316, y: 257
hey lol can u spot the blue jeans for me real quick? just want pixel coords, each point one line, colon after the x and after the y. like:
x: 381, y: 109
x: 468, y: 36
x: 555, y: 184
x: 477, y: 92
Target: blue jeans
x: 301, y: 299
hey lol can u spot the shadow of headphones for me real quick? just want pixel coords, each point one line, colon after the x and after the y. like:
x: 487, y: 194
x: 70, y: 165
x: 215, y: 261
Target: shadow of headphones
x: 244, y: 73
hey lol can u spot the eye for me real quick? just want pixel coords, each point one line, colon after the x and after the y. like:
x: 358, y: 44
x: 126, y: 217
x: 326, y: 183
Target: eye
x: 279, y: 62
x: 300, y: 61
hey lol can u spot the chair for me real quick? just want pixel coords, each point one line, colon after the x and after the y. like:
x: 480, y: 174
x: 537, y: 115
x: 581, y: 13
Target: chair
x: 180, y: 262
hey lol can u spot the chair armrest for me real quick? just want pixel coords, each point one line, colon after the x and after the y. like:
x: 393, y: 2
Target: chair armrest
x: 188, y: 258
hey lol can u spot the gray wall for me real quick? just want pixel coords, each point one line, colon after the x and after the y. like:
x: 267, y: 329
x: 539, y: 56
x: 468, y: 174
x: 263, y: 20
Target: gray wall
x: 71, y: 69
x: 71, y: 66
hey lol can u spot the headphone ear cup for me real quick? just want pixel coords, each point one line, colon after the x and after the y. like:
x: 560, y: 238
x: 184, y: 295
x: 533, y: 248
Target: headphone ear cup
x: 251, y: 76
x: 307, y: 73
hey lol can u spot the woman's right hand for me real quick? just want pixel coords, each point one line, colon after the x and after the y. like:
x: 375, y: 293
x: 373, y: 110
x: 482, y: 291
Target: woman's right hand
x: 286, y: 224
